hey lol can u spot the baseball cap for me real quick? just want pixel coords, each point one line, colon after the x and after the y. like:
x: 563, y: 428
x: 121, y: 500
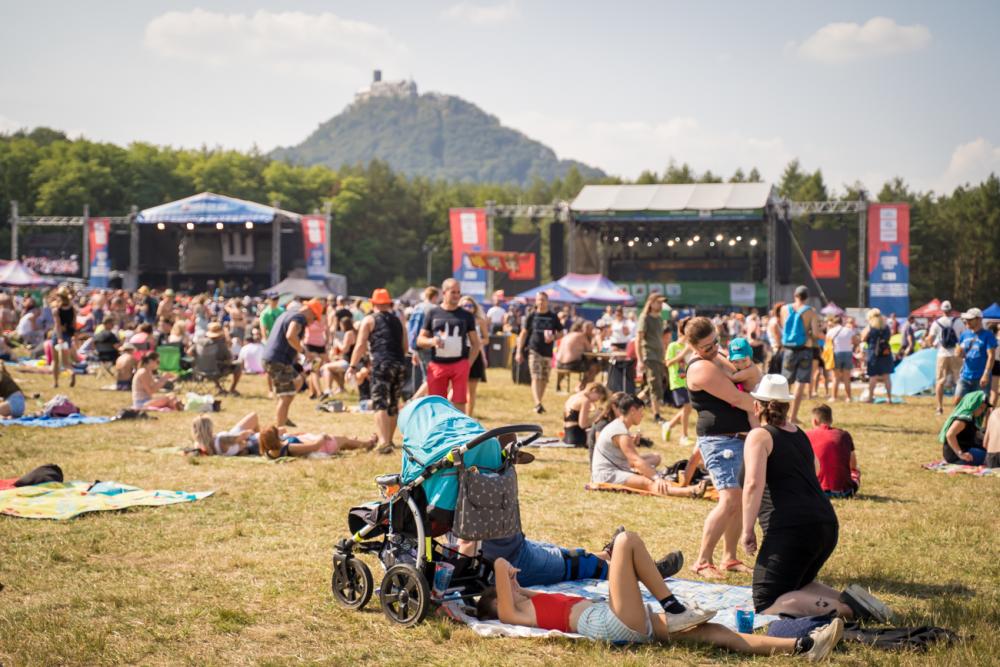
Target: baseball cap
x: 946, y: 306
x: 739, y: 348
x: 381, y: 297
x: 972, y: 314
x: 316, y: 306
x: 802, y: 291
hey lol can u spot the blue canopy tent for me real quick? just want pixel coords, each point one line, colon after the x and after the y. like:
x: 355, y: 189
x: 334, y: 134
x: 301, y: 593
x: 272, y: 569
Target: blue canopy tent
x: 557, y: 293
x: 993, y: 312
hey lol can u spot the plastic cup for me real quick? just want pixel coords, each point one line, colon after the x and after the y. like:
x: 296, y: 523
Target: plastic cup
x: 442, y: 579
x: 744, y: 620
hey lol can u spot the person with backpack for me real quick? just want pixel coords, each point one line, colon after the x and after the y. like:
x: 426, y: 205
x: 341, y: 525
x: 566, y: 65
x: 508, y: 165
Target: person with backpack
x: 421, y: 357
x: 944, y: 334
x: 800, y: 330
x: 879, y: 356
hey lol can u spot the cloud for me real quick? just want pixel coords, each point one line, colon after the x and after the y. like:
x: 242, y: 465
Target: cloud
x: 971, y: 163
x: 320, y: 45
x: 837, y: 43
x: 468, y: 12
x: 7, y: 125
x: 625, y: 148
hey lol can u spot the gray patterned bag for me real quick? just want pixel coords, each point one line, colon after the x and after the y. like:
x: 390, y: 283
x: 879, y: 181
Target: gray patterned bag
x: 487, y: 506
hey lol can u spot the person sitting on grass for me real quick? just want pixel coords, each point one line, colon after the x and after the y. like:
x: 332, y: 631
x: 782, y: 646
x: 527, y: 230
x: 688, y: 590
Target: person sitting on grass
x: 838, y: 474
x: 991, y: 440
x: 246, y: 438
x: 617, y: 461
x: 145, y: 384
x: 578, y: 413
x: 11, y: 396
x: 627, y: 618
x: 798, y: 521
x: 961, y: 436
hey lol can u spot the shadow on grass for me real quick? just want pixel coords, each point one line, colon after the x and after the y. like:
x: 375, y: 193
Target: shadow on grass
x: 878, y: 499
x: 914, y: 588
x: 894, y: 429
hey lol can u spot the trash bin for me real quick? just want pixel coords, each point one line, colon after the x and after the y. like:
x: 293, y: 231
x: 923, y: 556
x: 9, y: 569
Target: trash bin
x: 498, y: 351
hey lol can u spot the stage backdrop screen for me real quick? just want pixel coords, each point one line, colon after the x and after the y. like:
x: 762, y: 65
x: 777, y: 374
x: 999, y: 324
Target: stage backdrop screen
x: 98, y: 232
x: 889, y: 258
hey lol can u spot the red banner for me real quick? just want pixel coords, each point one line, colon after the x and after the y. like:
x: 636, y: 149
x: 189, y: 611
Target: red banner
x: 314, y: 238
x: 826, y: 264
x: 468, y: 234
x: 520, y: 265
x: 98, y: 231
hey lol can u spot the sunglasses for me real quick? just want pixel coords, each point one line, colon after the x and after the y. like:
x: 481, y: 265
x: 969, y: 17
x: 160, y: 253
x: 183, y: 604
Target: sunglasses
x: 711, y: 345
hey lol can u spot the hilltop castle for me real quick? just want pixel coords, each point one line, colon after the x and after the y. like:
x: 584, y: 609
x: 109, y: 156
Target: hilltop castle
x: 380, y: 88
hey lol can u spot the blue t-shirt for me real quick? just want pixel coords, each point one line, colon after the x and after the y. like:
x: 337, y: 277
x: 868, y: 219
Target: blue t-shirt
x: 277, y: 350
x: 976, y: 346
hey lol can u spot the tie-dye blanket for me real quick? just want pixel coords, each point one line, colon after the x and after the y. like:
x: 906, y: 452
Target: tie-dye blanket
x: 722, y: 598
x: 959, y: 469
x: 65, y: 500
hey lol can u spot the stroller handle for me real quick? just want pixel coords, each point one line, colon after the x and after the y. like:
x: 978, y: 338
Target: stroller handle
x: 534, y: 429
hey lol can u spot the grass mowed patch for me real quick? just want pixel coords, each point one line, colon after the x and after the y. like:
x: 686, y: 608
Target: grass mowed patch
x: 243, y: 577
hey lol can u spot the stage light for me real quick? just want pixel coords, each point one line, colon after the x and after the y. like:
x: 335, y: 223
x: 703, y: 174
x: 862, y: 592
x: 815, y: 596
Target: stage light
x: 732, y: 242
x: 739, y: 238
x: 753, y: 241
x: 696, y: 238
x: 636, y: 239
x: 649, y: 244
x: 631, y: 243
x: 161, y: 226
x: 656, y: 239
x: 711, y: 243
x: 690, y: 243
x: 677, y: 239
x: 718, y: 237
x: 617, y: 239
x: 219, y: 226
x: 190, y: 226
x: 249, y: 225
x: 670, y: 243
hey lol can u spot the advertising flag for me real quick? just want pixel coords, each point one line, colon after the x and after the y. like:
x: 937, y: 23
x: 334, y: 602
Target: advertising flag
x: 468, y: 234
x: 98, y: 231
x: 889, y: 258
x: 314, y: 238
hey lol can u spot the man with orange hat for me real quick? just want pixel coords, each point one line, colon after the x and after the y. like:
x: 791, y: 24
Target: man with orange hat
x: 383, y: 335
x: 284, y: 345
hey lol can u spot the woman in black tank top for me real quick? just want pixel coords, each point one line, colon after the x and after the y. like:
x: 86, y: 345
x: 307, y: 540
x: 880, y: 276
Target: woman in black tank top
x: 723, y: 421
x: 798, y: 522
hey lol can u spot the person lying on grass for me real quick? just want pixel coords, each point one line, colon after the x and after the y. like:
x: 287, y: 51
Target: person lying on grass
x: 961, y: 437
x: 246, y: 438
x: 617, y: 461
x: 627, y: 618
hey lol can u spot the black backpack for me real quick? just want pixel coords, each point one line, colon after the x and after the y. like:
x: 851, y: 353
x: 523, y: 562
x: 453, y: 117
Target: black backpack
x: 949, y: 338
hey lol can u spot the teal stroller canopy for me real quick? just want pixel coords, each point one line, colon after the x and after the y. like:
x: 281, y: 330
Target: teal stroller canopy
x: 431, y: 428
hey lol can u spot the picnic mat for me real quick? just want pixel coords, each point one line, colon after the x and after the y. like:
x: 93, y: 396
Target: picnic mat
x: 959, y: 469
x: 720, y: 597
x: 55, y: 422
x: 551, y: 442
x: 710, y: 493
x: 65, y: 500
x: 181, y: 451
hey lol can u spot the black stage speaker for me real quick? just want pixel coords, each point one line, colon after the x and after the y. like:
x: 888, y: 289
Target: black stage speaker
x: 557, y: 249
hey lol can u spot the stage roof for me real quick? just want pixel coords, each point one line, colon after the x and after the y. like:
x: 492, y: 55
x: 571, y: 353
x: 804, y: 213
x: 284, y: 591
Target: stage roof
x: 210, y: 208
x: 728, y: 201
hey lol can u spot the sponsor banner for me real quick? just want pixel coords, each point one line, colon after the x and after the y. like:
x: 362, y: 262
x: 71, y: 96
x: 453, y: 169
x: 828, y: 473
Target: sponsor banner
x: 98, y: 231
x: 889, y: 258
x: 468, y: 234
x: 826, y: 264
x: 520, y: 265
x: 314, y: 239
x: 707, y: 294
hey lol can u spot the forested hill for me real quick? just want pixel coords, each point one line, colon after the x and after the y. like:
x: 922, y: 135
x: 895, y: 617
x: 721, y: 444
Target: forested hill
x: 432, y: 135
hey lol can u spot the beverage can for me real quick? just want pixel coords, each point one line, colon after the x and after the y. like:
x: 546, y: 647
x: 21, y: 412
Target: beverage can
x: 442, y: 579
x: 744, y: 620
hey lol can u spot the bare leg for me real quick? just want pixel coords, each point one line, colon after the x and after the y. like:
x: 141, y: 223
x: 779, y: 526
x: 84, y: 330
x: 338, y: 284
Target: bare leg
x: 871, y: 389
x: 731, y: 538
x: 813, y: 599
x: 249, y: 422
x: 800, y: 390
x: 692, y: 466
x: 281, y: 413
x: 55, y: 366
x: 630, y: 564
x: 68, y: 363
x: 714, y: 634
x: 719, y: 520
x: 237, y: 374
x: 888, y: 387
x: 652, y: 459
x: 386, y: 427
x: 473, y: 386
x: 537, y: 390
x: 939, y: 395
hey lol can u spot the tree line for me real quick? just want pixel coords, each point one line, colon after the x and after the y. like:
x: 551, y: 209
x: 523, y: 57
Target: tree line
x: 382, y: 219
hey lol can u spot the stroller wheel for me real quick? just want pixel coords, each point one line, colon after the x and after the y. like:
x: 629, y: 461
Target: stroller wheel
x: 405, y: 595
x: 352, y: 583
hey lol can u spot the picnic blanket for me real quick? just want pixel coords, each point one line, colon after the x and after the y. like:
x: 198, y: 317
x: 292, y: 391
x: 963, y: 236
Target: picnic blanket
x: 65, y: 500
x: 959, y: 469
x: 182, y: 451
x: 551, y: 442
x: 55, y: 422
x: 720, y: 597
x: 710, y: 493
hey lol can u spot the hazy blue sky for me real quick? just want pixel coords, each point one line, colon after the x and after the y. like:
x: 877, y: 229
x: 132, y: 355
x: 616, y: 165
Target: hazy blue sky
x: 863, y: 90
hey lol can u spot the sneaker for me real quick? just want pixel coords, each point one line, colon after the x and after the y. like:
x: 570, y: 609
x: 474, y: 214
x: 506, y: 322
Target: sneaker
x: 670, y: 564
x: 824, y: 640
x: 868, y: 604
x: 657, y: 418
x: 665, y: 432
x: 540, y: 409
x: 685, y: 441
x: 938, y: 411
x: 387, y: 448
x: 687, y: 619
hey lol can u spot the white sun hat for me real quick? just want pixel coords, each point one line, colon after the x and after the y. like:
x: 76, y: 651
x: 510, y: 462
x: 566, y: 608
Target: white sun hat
x: 772, y: 387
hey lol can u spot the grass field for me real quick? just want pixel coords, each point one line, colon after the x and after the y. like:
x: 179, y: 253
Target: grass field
x: 243, y: 577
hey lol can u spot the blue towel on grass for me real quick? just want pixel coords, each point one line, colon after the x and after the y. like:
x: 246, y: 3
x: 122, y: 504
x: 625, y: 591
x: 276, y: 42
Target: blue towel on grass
x: 55, y: 422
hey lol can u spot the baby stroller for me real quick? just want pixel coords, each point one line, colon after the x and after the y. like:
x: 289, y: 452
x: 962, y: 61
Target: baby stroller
x: 456, y: 476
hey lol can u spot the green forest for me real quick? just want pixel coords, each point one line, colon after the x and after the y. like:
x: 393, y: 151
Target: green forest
x: 382, y: 218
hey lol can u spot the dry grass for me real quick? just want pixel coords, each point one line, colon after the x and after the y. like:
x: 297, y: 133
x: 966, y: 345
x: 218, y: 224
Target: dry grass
x: 243, y: 577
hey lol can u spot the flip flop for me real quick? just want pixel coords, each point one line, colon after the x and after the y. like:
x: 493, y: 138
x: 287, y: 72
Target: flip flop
x: 707, y: 570
x: 736, y: 566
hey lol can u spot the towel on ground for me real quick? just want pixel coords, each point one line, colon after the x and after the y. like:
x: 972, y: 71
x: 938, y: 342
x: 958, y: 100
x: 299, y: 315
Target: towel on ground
x: 54, y: 422
x: 959, y: 469
x: 722, y: 598
x: 182, y: 451
x: 710, y: 493
x: 551, y: 442
x: 65, y: 500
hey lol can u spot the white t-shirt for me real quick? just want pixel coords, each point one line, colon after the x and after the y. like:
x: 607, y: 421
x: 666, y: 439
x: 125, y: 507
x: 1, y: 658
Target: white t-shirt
x: 618, y: 328
x: 252, y: 358
x: 935, y: 333
x: 607, y: 455
x: 495, y: 315
x: 842, y: 337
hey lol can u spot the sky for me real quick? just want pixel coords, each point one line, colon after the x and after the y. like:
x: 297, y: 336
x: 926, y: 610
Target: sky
x: 865, y: 91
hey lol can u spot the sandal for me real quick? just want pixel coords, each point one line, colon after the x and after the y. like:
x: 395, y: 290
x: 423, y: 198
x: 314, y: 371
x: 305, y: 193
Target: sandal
x: 698, y: 490
x: 736, y: 565
x: 707, y: 570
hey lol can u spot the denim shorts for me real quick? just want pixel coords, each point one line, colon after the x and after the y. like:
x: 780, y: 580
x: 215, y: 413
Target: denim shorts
x: 796, y: 364
x: 843, y: 361
x: 16, y: 403
x: 723, y: 457
x: 963, y: 387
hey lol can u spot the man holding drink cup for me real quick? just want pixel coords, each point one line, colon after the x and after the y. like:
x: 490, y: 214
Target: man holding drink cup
x: 541, y: 329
